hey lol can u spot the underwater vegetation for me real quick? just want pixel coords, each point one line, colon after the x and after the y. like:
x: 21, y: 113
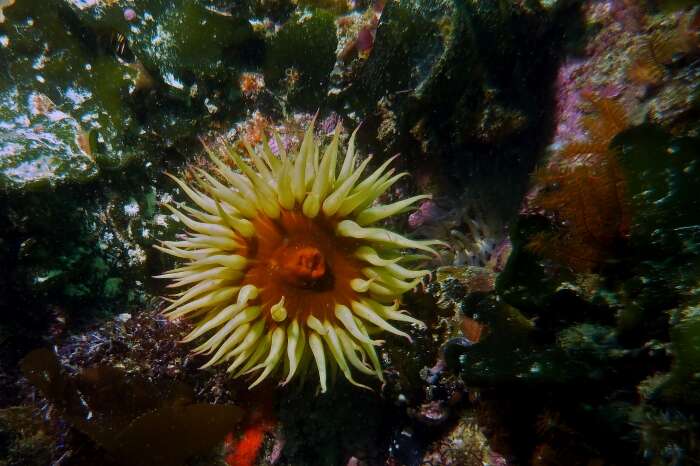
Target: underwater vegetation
x: 621, y: 317
x: 593, y: 306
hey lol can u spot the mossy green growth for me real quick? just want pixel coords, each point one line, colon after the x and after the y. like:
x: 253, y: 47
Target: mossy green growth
x: 335, y: 6
x: 186, y: 56
x: 306, y: 45
x: 524, y: 282
x: 112, y: 287
x: 69, y: 273
x: 683, y: 384
x: 662, y: 179
x: 591, y: 342
x: 186, y: 39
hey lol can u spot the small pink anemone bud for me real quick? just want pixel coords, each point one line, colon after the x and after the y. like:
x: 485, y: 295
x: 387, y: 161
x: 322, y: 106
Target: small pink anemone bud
x: 272, y: 143
x: 130, y: 14
x: 428, y: 212
x: 365, y: 41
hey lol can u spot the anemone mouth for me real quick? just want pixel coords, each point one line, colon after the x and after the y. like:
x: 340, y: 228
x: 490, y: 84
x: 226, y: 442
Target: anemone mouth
x: 303, y: 261
x: 283, y: 266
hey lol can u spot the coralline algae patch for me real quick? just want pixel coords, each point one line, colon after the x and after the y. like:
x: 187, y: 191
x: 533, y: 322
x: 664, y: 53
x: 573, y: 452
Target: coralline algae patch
x: 627, y: 59
x: 602, y: 69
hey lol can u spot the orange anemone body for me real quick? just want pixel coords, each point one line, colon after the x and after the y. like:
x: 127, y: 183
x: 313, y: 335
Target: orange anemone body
x: 302, y: 260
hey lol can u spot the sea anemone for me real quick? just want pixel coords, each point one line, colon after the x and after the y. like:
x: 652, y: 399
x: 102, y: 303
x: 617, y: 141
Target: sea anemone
x: 284, y: 265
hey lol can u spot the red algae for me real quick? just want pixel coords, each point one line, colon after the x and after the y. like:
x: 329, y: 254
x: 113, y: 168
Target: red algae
x: 246, y: 451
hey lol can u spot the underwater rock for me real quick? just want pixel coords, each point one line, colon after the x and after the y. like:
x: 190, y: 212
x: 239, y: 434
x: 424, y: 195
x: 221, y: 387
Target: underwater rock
x: 76, y: 96
x: 181, y: 42
x: 122, y: 89
x: 430, y: 90
x: 538, y: 359
x: 145, y: 344
x: 40, y: 145
x: 185, y: 39
x: 463, y: 444
x: 5, y: 4
x: 454, y: 349
x: 325, y: 429
x: 645, y: 61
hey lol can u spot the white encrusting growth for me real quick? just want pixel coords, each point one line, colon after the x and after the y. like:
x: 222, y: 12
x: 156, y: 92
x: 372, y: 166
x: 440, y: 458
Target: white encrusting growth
x: 260, y: 338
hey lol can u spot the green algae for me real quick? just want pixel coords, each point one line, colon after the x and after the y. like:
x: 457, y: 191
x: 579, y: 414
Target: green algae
x: 306, y: 43
x: 123, y: 89
x: 662, y: 176
x: 185, y: 39
x: 112, y: 287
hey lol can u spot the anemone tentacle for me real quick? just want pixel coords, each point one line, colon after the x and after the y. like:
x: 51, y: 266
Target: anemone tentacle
x: 284, y: 262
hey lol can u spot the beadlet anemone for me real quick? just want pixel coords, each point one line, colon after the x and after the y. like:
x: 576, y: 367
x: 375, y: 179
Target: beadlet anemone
x: 283, y: 264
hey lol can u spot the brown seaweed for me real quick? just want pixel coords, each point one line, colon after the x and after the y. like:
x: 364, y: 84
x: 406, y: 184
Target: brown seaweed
x: 138, y: 422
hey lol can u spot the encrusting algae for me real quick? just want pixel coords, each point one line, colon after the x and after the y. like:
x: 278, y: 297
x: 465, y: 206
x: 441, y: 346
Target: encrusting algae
x: 284, y: 263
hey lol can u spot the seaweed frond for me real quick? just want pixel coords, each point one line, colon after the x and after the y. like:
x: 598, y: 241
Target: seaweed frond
x: 583, y: 195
